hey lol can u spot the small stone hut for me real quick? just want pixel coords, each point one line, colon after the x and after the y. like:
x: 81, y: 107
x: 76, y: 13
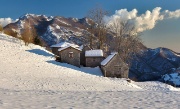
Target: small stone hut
x: 61, y: 45
x: 94, y: 58
x: 113, y: 66
x: 70, y: 55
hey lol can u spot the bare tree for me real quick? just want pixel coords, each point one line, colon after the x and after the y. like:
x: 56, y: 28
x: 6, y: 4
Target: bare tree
x: 90, y: 35
x: 127, y: 40
x: 98, y: 28
x: 28, y: 35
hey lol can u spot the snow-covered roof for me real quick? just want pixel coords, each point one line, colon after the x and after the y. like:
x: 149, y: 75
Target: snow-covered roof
x: 81, y: 47
x: 64, y: 44
x: 60, y: 49
x: 94, y: 53
x: 105, y: 61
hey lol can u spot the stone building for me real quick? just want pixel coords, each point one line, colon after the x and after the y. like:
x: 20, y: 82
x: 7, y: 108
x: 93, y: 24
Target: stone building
x: 61, y: 45
x: 70, y: 55
x: 113, y: 66
x: 94, y: 58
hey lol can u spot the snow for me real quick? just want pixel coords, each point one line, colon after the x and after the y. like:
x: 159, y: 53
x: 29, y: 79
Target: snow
x: 78, y: 33
x: 50, y: 18
x: 94, y: 53
x: 177, y: 54
x: 64, y: 44
x: 31, y: 79
x: 173, y: 77
x: 21, y: 24
x: 58, y: 27
x: 105, y: 61
x: 60, y: 49
x: 81, y: 47
x: 155, y: 86
x: 88, y: 100
x: 50, y: 28
x: 64, y: 22
x: 75, y: 19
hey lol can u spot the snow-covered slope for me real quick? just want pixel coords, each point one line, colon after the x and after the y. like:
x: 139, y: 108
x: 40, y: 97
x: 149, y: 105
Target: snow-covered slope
x: 34, y: 68
x: 30, y: 78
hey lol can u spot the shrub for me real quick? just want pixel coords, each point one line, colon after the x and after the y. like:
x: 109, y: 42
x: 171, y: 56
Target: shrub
x: 11, y: 32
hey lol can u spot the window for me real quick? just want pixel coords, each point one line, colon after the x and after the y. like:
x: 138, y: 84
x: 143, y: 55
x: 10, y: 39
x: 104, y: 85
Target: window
x: 71, y: 54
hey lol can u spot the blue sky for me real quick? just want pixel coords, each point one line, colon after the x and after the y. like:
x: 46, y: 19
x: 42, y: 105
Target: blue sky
x: 165, y: 34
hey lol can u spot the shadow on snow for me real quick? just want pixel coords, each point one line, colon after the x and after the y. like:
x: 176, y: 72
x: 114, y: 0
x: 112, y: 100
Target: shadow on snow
x: 40, y: 52
x: 93, y: 71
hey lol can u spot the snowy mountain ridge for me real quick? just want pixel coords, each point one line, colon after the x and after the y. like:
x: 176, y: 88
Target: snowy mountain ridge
x: 53, y: 29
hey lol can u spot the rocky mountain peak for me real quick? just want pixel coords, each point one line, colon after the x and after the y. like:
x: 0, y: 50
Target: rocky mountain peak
x: 51, y: 29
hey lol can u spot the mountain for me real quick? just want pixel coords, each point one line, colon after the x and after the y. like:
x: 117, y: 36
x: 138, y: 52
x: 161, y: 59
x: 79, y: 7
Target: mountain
x: 52, y: 30
x: 152, y: 64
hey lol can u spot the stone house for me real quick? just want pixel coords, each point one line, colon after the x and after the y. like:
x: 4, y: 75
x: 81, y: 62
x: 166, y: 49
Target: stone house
x: 84, y: 48
x: 70, y: 55
x: 113, y: 66
x: 94, y: 58
x: 61, y: 45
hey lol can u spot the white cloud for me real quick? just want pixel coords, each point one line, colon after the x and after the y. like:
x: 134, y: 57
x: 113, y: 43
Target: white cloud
x: 144, y: 21
x: 5, y: 21
x: 172, y: 14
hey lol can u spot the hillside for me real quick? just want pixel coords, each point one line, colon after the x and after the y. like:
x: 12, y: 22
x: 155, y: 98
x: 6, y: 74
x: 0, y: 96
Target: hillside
x: 30, y: 78
x: 32, y: 67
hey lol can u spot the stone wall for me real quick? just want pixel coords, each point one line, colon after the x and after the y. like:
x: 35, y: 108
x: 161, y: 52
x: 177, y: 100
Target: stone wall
x: 93, y: 61
x: 66, y: 58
